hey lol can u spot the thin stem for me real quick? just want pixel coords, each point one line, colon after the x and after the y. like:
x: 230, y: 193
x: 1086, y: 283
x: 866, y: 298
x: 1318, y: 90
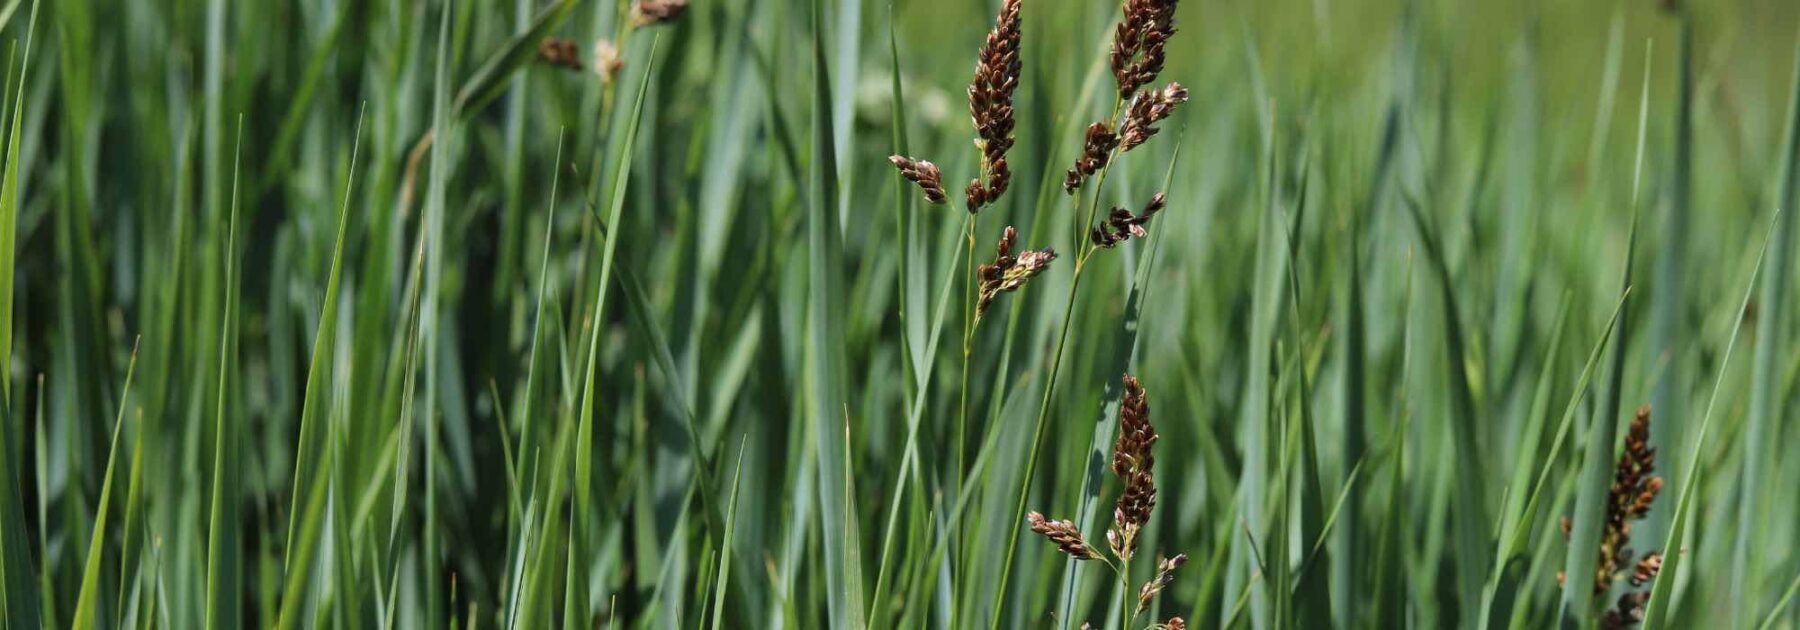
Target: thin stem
x: 1125, y: 607
x: 1037, y: 437
x: 963, y: 394
x: 1082, y: 250
x: 969, y: 323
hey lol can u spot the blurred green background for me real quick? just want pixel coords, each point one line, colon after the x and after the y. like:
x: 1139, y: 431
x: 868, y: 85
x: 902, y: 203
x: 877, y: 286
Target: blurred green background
x: 400, y: 325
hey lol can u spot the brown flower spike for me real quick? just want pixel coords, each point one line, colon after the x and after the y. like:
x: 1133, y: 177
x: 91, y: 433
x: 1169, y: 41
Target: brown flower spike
x: 1121, y: 225
x: 1137, y: 51
x: 654, y: 12
x: 991, y: 106
x: 1137, y: 57
x: 1064, y: 534
x: 923, y: 173
x: 1008, y: 273
x: 1165, y: 574
x: 1633, y: 491
x: 1147, y: 109
x: 561, y: 53
x: 1096, y: 151
x: 1132, y: 462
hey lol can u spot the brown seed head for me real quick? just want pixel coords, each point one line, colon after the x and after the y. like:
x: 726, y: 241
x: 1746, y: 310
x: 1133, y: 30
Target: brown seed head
x: 1633, y: 492
x: 654, y: 12
x: 923, y: 173
x: 1647, y: 569
x: 1132, y: 463
x: 1096, y: 151
x: 1063, y: 534
x: 1131, y: 452
x: 1627, y: 613
x: 561, y: 53
x: 1165, y: 574
x: 991, y: 105
x: 1138, y: 39
x: 1121, y: 225
x: 1174, y: 623
x: 1148, y: 109
x: 1009, y: 273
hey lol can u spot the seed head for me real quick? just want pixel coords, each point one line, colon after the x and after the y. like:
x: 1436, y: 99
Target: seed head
x: 1008, y: 273
x: 561, y: 53
x: 923, y: 173
x: 991, y: 105
x: 1147, y: 109
x: 1627, y: 613
x: 654, y: 12
x: 1138, y: 39
x: 1633, y: 492
x: 1132, y: 462
x: 1165, y: 574
x: 1121, y: 225
x: 1064, y: 534
x: 1096, y: 151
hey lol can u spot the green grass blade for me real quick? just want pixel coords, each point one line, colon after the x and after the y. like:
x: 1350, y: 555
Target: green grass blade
x: 1766, y: 397
x: 1596, y: 461
x: 307, y: 503
x: 825, y: 350
x: 1656, y: 611
x: 87, y: 604
x: 583, y: 464
x: 18, y: 577
x: 224, y: 563
x: 725, y: 549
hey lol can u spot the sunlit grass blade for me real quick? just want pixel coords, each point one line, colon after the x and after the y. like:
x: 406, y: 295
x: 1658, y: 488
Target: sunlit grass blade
x: 18, y: 576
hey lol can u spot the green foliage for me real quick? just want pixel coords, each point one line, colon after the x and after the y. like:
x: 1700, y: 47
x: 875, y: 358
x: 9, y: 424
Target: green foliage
x: 367, y: 315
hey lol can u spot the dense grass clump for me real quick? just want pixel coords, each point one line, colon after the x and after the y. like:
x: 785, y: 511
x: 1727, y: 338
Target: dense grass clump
x: 828, y: 313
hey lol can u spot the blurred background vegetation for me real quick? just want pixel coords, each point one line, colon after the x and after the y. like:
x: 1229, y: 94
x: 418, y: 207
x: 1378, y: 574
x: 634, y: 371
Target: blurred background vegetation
x: 674, y: 346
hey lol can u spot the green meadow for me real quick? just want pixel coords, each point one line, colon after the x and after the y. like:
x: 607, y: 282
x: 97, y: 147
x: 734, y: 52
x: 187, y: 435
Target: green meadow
x: 910, y: 314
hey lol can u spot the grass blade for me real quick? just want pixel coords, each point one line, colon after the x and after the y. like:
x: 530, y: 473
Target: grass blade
x: 87, y: 604
x: 1596, y: 462
x: 825, y: 351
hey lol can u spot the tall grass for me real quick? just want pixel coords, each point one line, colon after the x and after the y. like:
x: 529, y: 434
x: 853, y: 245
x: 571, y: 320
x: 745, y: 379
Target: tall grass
x: 564, y: 313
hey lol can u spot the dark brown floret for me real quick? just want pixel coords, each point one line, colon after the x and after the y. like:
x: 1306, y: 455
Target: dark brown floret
x: 561, y: 53
x: 1147, y: 109
x: 1008, y: 272
x: 1165, y: 574
x: 1096, y: 151
x: 1633, y: 492
x: 654, y: 12
x: 1137, y: 51
x: 923, y: 173
x: 1121, y: 225
x: 1064, y: 534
